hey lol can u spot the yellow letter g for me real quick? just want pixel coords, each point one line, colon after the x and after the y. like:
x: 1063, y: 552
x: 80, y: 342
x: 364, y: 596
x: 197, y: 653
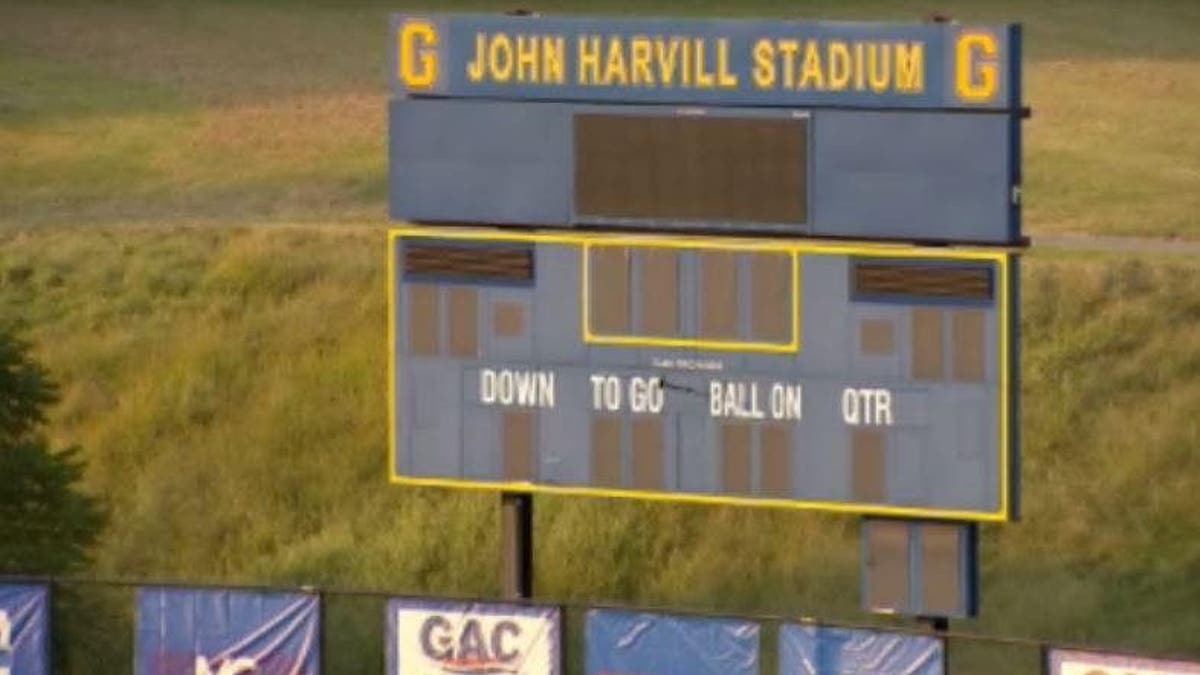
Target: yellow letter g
x: 976, y: 67
x: 417, y: 54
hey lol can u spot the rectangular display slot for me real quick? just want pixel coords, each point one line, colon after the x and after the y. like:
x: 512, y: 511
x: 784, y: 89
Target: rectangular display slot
x: 874, y: 279
x: 691, y: 168
x: 452, y: 261
x: 635, y: 297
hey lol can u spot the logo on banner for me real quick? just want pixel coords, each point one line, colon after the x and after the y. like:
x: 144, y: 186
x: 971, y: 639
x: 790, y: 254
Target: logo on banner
x: 471, y: 646
x: 464, y: 640
x: 225, y: 667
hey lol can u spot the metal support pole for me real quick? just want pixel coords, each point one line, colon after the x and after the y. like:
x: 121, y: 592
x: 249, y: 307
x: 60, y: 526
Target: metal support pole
x: 322, y: 648
x: 516, y: 542
x: 939, y: 625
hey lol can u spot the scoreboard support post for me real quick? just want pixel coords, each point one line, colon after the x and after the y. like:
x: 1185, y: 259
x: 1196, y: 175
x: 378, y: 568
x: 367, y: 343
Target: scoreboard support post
x: 516, y: 542
x: 938, y: 624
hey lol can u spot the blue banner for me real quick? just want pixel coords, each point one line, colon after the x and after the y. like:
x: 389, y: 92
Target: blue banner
x: 24, y: 629
x: 226, y: 632
x: 726, y: 62
x: 820, y: 650
x: 427, y: 638
x: 627, y: 643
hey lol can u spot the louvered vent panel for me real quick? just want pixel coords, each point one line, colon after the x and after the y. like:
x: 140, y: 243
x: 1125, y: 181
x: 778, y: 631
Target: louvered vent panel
x: 922, y: 281
x: 452, y: 261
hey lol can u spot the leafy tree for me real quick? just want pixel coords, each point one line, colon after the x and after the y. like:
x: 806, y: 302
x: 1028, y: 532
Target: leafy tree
x: 48, y: 525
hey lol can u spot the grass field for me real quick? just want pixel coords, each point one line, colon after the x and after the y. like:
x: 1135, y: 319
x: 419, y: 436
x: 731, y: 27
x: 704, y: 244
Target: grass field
x: 192, y: 230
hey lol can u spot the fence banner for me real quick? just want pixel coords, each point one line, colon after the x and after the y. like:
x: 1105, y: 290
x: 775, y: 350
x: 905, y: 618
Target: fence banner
x: 430, y: 637
x: 226, y: 632
x: 628, y: 643
x: 822, y: 650
x: 24, y: 629
x: 1075, y: 662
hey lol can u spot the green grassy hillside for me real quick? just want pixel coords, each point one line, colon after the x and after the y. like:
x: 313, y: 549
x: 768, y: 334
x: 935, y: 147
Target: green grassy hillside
x: 171, y: 175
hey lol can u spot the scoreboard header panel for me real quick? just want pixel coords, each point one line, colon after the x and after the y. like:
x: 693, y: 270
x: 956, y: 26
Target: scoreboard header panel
x: 728, y: 62
x: 902, y: 132
x: 863, y: 379
x: 911, y: 176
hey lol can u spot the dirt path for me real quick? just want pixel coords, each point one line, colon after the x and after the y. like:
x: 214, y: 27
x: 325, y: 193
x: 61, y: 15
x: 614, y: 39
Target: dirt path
x: 1087, y: 242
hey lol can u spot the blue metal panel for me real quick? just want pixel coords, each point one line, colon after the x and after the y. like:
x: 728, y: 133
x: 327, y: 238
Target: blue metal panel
x: 556, y: 306
x: 437, y: 401
x: 916, y: 176
x: 480, y: 460
x: 693, y: 61
x: 931, y: 176
x: 696, y: 474
x: 561, y: 464
x: 480, y: 162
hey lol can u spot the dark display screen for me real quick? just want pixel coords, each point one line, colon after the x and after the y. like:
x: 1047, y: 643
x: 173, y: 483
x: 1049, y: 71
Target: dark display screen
x: 691, y: 168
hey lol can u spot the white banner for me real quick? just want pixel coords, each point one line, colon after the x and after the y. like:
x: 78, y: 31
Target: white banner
x: 432, y: 638
x: 1070, y: 662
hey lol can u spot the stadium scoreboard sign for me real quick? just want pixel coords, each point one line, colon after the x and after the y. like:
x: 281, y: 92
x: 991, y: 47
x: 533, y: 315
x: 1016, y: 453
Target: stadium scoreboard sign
x: 860, y: 131
x: 852, y: 378
x: 696, y: 260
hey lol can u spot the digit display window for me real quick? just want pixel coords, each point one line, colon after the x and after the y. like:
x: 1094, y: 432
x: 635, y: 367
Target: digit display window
x: 691, y: 168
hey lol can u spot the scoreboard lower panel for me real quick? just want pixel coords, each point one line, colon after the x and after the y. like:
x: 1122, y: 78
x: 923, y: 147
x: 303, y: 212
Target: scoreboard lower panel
x: 868, y: 379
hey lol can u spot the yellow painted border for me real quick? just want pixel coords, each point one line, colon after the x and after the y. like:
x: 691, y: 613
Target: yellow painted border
x: 797, y: 248
x: 790, y: 347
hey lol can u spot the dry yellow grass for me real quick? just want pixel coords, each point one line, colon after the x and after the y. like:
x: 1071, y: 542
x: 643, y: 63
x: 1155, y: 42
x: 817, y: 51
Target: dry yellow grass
x: 208, y: 52
x: 1114, y: 147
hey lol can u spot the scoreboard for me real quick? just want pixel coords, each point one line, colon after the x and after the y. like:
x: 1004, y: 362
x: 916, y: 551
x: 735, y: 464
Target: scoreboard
x: 757, y: 262
x: 872, y: 379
